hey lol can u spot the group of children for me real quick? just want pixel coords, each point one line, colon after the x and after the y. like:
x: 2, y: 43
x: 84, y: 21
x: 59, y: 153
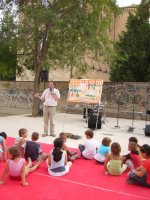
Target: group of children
x: 58, y: 161
x: 137, y: 160
x: 60, y: 158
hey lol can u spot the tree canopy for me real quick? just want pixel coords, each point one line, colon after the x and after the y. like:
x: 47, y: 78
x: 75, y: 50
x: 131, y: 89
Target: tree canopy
x: 131, y: 59
x: 60, y: 33
x: 8, y: 48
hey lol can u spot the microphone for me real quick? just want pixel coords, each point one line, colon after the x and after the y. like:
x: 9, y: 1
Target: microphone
x: 51, y: 91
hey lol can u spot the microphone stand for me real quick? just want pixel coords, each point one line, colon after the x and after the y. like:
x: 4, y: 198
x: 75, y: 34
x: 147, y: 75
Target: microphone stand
x: 131, y: 128
x: 118, y: 109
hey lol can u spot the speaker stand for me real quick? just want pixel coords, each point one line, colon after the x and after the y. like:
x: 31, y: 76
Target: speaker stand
x: 131, y: 128
x: 117, y: 126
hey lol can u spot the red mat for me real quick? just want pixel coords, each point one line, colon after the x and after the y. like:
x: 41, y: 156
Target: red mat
x: 86, y: 180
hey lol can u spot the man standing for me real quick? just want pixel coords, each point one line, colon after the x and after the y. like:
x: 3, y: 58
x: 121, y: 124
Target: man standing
x: 50, y: 97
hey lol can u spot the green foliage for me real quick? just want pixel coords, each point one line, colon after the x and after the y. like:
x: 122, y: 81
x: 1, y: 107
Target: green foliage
x: 131, y: 59
x: 8, y: 50
x: 60, y: 33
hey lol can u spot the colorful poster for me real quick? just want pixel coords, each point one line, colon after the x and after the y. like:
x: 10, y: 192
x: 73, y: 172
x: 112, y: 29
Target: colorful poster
x: 85, y: 90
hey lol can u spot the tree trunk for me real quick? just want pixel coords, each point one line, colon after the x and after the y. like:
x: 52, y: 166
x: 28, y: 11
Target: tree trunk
x: 36, y: 101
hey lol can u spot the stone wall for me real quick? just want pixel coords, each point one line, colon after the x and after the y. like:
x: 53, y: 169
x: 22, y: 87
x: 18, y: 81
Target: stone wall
x: 132, y: 99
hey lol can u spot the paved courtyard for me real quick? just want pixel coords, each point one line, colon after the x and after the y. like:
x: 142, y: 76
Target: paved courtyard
x: 74, y: 123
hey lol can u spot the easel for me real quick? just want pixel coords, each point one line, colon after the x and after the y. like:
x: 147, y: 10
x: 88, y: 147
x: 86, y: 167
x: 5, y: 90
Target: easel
x: 88, y: 92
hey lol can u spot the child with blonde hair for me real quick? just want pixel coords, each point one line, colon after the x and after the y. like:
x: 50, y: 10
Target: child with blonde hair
x: 16, y: 167
x: 113, y: 163
x: 71, y: 155
x: 103, y: 150
x: 23, y: 134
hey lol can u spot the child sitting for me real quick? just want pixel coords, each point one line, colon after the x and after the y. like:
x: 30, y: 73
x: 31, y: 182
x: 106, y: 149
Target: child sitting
x: 57, y: 160
x: 141, y: 175
x: 88, y: 149
x: 16, y: 167
x: 23, y: 133
x: 33, y: 150
x: 3, y: 148
x: 134, y: 139
x: 132, y: 159
x: 113, y: 163
x: 71, y: 155
x: 103, y: 150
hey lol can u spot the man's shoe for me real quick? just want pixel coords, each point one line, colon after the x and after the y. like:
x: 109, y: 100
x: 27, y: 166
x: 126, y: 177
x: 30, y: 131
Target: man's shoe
x: 53, y: 135
x: 44, y: 135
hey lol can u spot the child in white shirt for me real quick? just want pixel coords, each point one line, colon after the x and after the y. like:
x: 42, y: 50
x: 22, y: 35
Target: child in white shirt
x: 88, y: 149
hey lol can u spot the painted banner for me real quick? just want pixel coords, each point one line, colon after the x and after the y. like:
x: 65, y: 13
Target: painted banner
x: 85, y: 90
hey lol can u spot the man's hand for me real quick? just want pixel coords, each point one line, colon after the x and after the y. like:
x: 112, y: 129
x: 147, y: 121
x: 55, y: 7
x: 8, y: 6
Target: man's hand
x: 37, y: 95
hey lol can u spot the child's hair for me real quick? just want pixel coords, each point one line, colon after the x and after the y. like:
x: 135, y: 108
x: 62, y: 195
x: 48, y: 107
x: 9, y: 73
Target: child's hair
x: 14, y: 151
x: 133, y: 146
x: 115, y: 148
x: 133, y: 139
x: 106, y: 141
x: 35, y: 136
x: 89, y: 133
x: 57, y: 152
x: 22, y: 131
x: 145, y: 149
x: 63, y: 136
x: 3, y: 134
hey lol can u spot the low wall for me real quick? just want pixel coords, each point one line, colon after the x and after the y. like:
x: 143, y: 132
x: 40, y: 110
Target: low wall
x: 131, y: 99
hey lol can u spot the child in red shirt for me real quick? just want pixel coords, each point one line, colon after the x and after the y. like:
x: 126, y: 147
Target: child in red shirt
x: 141, y: 175
x: 132, y: 159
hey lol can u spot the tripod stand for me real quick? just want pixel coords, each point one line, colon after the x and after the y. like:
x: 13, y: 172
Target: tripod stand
x: 147, y: 106
x: 131, y: 128
x: 118, y: 109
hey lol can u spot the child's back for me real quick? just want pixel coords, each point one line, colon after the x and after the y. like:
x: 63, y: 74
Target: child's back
x: 103, y: 150
x: 115, y: 166
x: 3, y: 147
x: 23, y: 133
x: 32, y: 148
x: 57, y: 160
x: 19, y: 142
x: 88, y: 149
x: 113, y: 163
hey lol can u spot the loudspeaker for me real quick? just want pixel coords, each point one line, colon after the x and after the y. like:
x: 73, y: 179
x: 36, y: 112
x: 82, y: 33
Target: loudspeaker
x: 44, y: 75
x: 148, y: 112
x: 93, y: 120
x: 147, y: 130
x: 89, y: 110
